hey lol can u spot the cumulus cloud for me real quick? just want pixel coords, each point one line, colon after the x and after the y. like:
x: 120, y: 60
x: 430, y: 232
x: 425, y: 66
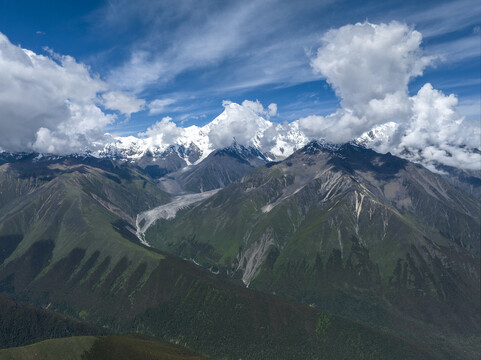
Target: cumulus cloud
x: 436, y: 132
x: 245, y: 122
x: 51, y: 103
x: 163, y: 133
x: 272, y: 109
x: 369, y: 67
x: 124, y: 103
x: 365, y: 62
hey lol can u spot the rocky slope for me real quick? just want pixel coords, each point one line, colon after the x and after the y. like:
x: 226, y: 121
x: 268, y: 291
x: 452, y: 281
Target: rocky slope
x: 219, y: 169
x: 369, y: 236
x: 67, y: 242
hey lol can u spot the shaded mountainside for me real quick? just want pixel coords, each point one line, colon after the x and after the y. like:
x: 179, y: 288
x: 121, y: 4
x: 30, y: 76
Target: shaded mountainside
x: 372, y: 237
x: 467, y: 180
x: 115, y: 347
x: 67, y: 243
x: 22, y: 324
x: 219, y: 169
x: 170, y: 160
x: 183, y: 169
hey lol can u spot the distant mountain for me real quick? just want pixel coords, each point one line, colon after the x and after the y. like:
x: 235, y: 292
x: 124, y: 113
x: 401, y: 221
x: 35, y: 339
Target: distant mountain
x: 466, y: 179
x: 194, y: 143
x: 372, y: 237
x: 191, y: 145
x: 67, y: 241
x: 184, y: 163
x: 156, y: 161
x: 219, y: 169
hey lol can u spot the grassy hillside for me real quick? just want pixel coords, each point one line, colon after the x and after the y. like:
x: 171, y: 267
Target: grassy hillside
x: 67, y: 245
x: 65, y: 210
x: 368, y: 236
x: 70, y: 348
x: 137, y: 347
x: 100, y: 348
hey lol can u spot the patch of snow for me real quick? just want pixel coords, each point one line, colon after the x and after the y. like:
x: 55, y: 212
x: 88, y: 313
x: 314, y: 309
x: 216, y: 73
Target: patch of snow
x: 379, y: 134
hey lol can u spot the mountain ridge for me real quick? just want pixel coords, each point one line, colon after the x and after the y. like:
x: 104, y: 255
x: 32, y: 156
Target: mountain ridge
x: 397, y: 235
x: 64, y: 233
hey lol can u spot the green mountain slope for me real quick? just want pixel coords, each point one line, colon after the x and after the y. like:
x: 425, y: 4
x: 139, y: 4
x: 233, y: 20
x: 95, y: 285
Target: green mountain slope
x: 368, y: 236
x: 67, y: 243
x: 101, y: 348
x: 65, y: 209
x: 70, y: 348
x: 22, y: 324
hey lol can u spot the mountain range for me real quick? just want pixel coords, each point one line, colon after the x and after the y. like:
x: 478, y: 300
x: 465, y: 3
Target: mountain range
x: 369, y: 236
x: 334, y: 249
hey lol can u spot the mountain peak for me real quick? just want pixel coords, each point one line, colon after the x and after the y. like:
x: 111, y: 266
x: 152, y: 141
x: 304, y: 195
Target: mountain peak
x: 317, y: 146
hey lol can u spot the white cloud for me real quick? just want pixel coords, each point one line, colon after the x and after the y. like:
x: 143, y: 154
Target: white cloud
x: 245, y: 122
x: 159, y: 106
x: 434, y: 119
x: 436, y: 132
x: 272, y: 109
x: 163, y: 133
x: 124, y: 103
x: 366, y: 61
x: 369, y: 67
x: 51, y: 103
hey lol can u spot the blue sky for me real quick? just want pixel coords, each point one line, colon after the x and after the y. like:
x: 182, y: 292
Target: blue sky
x: 192, y: 55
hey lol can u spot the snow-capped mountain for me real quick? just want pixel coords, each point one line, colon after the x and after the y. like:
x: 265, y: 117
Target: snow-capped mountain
x: 442, y: 159
x: 166, y: 147
x: 248, y: 127
x: 134, y: 149
x: 378, y: 135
